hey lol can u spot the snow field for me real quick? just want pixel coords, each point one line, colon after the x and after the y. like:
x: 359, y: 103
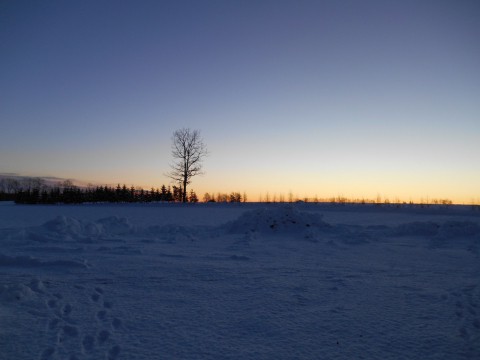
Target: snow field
x: 238, y: 282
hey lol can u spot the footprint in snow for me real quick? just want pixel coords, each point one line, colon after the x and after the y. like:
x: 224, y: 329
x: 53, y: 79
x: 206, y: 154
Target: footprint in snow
x: 88, y: 343
x: 68, y: 340
x: 465, y: 304
x: 67, y: 309
x: 103, y: 336
x: 116, y: 323
x: 114, y: 352
x: 106, y: 335
x: 53, y: 324
x: 102, y: 315
x: 47, y: 353
x: 71, y: 331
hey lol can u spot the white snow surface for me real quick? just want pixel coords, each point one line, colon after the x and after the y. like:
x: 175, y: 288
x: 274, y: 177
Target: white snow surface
x: 239, y: 281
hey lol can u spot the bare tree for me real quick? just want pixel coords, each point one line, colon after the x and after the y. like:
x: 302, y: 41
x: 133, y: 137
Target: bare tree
x: 188, y: 151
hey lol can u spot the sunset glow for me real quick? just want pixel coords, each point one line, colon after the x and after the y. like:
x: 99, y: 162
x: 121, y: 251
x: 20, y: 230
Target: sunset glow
x: 317, y: 99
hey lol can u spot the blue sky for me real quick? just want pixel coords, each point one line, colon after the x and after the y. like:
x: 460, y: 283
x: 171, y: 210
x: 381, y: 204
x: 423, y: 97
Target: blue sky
x: 326, y: 98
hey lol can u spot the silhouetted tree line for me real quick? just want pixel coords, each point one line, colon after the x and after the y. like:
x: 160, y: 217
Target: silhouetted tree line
x: 234, y: 197
x: 101, y: 194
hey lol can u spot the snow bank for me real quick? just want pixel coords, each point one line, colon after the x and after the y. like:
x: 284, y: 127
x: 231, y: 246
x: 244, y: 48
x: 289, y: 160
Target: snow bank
x: 64, y: 228
x: 279, y: 220
x: 173, y: 233
x: 115, y: 225
x: 21, y: 292
x: 16, y: 292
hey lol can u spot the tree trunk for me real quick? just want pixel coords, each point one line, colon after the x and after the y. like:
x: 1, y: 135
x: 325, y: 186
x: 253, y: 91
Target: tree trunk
x: 184, y: 192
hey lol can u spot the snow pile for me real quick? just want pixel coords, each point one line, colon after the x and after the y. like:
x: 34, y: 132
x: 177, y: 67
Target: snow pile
x: 173, y: 233
x: 37, y: 285
x: 16, y: 292
x: 21, y: 292
x: 64, y: 228
x: 115, y: 225
x: 278, y: 220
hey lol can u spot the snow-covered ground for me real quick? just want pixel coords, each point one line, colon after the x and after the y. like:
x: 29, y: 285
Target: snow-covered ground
x: 239, y: 281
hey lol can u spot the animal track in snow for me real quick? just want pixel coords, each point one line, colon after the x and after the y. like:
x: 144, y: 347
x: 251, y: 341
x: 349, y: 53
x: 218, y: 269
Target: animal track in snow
x: 68, y: 339
x: 70, y: 330
x: 88, y: 343
x: 466, y: 303
x: 102, y: 315
x: 103, y: 336
x: 99, y: 290
x: 47, y: 353
x: 116, y: 323
x: 114, y: 352
x: 53, y: 323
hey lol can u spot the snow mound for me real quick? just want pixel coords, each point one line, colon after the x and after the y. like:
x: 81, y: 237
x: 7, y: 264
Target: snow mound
x: 37, y: 285
x: 17, y: 292
x: 64, y: 228
x: 64, y: 225
x: 173, y: 233
x: 285, y: 219
x: 115, y: 225
x: 21, y: 292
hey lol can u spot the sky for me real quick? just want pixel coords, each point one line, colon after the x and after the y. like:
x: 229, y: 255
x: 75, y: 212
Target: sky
x: 314, y: 98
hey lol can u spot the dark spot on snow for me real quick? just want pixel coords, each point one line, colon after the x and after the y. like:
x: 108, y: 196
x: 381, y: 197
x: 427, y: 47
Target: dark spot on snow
x: 113, y: 352
x: 102, y: 315
x: 103, y: 336
x: 53, y: 324
x: 107, y: 304
x: 67, y: 309
x: 47, y: 353
x: 88, y: 342
x: 70, y: 330
x: 117, y: 323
